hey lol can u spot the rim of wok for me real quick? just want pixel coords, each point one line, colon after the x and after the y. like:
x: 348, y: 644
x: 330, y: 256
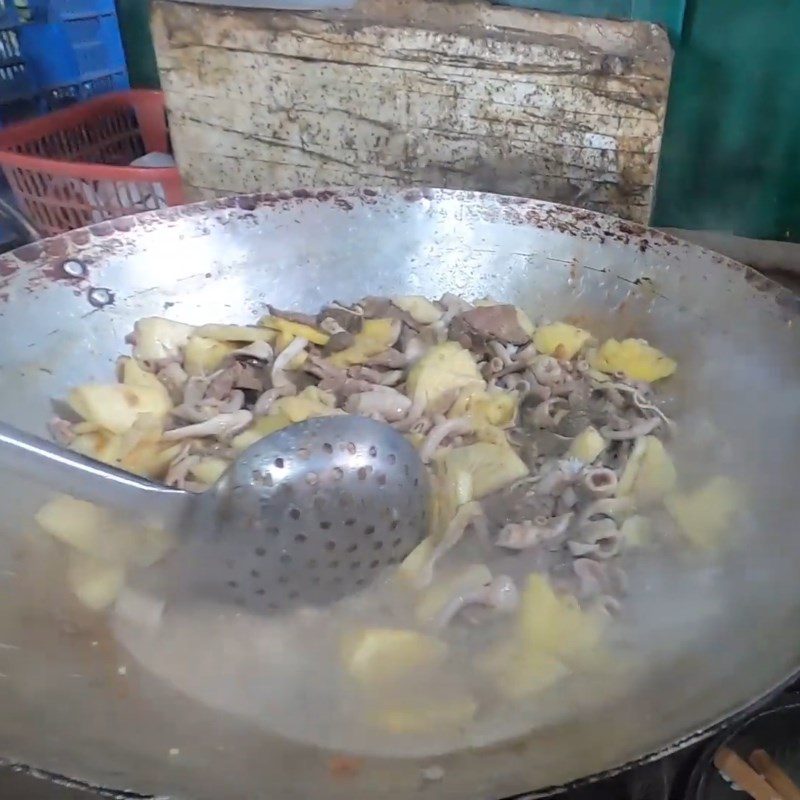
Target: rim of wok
x: 41, y: 262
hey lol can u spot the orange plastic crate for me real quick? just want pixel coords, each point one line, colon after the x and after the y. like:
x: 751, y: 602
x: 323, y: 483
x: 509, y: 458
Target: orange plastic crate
x: 70, y: 168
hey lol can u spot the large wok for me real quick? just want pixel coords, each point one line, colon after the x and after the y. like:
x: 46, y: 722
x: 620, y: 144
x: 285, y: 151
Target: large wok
x: 65, y: 306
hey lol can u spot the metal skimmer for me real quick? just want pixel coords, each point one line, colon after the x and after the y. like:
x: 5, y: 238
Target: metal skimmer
x: 307, y: 515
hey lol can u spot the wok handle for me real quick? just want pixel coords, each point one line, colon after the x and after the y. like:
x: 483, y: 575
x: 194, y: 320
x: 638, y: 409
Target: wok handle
x: 82, y: 477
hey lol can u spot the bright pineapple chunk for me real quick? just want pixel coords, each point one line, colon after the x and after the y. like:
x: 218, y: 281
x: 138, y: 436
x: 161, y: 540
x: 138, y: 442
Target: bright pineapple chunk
x: 635, y: 359
x: 385, y: 655
x: 440, y: 373
x: 375, y: 336
x: 424, y: 714
x: 560, y: 340
x: 705, y: 515
x: 587, y: 446
x: 311, y: 402
x: 518, y: 671
x: 202, y: 356
x: 117, y: 407
x: 494, y: 409
x: 490, y: 467
x: 556, y: 624
x: 149, y: 459
x: 415, y: 564
x: 419, y: 308
x: 95, y: 583
x: 134, y: 375
x: 656, y: 475
x: 295, y: 330
x: 209, y: 470
x: 157, y: 338
x: 72, y: 521
x: 262, y: 427
x: 101, y: 444
x: 94, y: 532
x: 235, y: 333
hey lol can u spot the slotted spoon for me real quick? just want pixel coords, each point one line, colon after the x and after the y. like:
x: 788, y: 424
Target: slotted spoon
x: 306, y: 515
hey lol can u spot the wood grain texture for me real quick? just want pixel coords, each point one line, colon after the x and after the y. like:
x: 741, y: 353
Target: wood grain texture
x: 416, y: 92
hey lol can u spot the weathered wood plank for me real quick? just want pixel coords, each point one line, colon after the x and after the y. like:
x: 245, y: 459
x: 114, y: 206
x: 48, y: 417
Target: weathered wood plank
x: 418, y: 92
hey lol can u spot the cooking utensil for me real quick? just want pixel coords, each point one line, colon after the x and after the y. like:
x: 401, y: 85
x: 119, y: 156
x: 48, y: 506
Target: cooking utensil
x: 736, y: 769
x: 286, y: 525
x: 765, y: 741
x: 72, y: 300
x: 761, y: 761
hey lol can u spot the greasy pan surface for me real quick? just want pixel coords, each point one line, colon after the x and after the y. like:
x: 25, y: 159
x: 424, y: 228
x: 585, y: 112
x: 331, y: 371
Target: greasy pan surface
x: 66, y: 304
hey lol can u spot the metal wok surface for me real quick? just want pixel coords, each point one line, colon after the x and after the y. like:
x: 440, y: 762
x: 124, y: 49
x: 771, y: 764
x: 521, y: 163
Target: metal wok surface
x: 72, y: 702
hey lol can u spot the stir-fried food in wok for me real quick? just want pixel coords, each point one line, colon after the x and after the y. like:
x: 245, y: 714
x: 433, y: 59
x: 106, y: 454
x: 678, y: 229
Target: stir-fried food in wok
x: 548, y: 450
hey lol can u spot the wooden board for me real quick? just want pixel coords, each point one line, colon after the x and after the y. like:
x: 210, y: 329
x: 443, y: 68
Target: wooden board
x: 416, y: 92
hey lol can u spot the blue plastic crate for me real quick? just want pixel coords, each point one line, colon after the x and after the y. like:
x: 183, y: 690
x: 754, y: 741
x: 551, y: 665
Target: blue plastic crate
x: 16, y: 84
x: 73, y: 52
x: 63, y: 96
x: 64, y: 10
x: 10, y: 48
x: 9, y: 16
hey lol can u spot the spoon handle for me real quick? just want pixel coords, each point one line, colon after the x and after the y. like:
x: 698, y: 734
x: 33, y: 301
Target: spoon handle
x: 74, y: 474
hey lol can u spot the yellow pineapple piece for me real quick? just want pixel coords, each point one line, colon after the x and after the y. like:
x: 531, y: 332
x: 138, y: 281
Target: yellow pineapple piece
x: 634, y: 358
x: 440, y: 373
x: 385, y: 655
x: 705, y: 515
x: 560, y: 340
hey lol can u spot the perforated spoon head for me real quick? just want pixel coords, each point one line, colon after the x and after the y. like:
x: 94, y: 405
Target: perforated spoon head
x: 308, y: 515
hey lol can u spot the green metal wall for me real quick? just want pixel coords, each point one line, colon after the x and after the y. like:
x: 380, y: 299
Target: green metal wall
x: 731, y: 152
x: 134, y: 18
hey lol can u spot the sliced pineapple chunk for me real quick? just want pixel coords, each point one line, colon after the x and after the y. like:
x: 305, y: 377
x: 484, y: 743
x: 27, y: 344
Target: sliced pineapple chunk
x: 94, y: 531
x: 656, y: 475
x: 560, y: 340
x: 422, y: 713
x: 385, y: 655
x: 102, y: 445
x: 202, y: 355
x: 636, y: 531
x: 440, y: 373
x: 248, y: 438
x: 375, y: 336
x: 262, y: 427
x: 157, y: 338
x: 433, y: 603
x: 490, y: 466
x: 705, y: 515
x: 311, y: 402
x: 415, y: 564
x: 635, y: 358
x: 149, y: 459
x: 235, y: 333
x: 525, y: 322
x: 209, y: 470
x: 518, y: 671
x: 556, y: 624
x: 117, y: 407
x: 419, y: 308
x: 587, y: 445
x: 295, y: 329
x: 134, y: 375
x: 95, y: 583
x: 628, y: 477
x: 494, y: 409
x: 72, y: 521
